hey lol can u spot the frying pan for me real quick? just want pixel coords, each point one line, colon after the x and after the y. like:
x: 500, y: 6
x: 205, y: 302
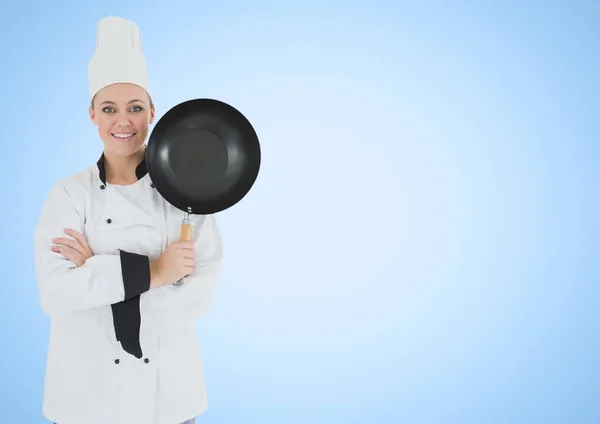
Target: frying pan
x: 203, y: 157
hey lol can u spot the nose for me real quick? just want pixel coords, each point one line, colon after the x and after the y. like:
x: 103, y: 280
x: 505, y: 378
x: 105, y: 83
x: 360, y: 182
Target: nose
x: 123, y: 120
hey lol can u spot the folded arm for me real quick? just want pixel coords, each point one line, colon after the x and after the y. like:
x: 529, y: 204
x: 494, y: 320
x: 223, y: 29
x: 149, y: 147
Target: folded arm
x: 103, y: 279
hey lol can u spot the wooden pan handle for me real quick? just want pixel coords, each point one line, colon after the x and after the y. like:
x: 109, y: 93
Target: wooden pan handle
x: 187, y: 234
x: 187, y: 231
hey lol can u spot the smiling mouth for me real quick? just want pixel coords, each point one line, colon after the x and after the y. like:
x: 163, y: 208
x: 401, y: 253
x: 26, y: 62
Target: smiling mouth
x: 123, y: 136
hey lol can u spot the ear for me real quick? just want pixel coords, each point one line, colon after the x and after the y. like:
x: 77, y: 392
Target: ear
x: 152, y: 113
x: 93, y: 115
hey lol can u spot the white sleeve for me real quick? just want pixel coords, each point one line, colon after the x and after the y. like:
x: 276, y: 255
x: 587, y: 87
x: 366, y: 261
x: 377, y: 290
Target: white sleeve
x: 102, y: 280
x: 194, y: 298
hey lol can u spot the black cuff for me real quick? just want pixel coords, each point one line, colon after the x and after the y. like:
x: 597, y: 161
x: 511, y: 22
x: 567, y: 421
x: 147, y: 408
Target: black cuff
x: 127, y: 318
x: 127, y: 321
x: 135, y: 269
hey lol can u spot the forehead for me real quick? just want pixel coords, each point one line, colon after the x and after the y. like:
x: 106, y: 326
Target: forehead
x: 121, y: 93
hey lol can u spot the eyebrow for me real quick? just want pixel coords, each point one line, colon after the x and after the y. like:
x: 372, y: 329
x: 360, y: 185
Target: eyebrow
x: 108, y: 102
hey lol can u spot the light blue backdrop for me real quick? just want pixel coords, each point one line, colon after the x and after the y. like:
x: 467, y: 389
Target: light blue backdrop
x: 421, y: 246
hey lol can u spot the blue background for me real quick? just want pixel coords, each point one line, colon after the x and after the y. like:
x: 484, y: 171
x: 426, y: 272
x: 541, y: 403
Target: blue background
x: 422, y: 243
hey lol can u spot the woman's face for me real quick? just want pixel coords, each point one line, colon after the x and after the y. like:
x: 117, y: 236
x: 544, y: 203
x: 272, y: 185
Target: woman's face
x: 122, y: 113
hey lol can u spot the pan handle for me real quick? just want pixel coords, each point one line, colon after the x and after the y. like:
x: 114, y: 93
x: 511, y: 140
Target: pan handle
x: 187, y: 232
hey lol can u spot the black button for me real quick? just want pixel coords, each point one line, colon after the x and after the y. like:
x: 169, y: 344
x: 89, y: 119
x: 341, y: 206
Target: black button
x: 117, y: 361
x: 146, y: 360
x: 102, y: 187
x: 109, y: 220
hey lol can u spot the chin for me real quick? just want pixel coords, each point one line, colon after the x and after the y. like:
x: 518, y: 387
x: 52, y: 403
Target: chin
x: 125, y: 148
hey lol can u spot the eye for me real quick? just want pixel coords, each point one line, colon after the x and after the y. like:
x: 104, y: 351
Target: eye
x: 136, y: 109
x: 108, y: 110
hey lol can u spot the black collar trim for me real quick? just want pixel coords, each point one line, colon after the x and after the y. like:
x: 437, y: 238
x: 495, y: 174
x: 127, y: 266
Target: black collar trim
x: 140, y: 171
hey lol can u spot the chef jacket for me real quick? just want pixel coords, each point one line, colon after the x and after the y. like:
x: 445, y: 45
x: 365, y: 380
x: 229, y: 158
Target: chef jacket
x: 120, y: 352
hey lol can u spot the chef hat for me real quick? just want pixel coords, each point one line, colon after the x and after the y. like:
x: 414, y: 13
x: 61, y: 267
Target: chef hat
x: 118, y: 56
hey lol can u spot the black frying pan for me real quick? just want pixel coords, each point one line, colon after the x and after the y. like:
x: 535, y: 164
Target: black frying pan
x: 203, y: 157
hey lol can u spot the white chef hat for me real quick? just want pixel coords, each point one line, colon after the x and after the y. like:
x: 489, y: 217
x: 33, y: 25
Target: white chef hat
x: 118, y: 57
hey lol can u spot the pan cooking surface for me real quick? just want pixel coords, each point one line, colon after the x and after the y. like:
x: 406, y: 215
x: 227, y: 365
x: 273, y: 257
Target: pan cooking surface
x: 204, y: 155
x: 199, y: 161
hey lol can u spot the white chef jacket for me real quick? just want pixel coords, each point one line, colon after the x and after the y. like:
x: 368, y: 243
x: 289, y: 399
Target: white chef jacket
x: 119, y: 352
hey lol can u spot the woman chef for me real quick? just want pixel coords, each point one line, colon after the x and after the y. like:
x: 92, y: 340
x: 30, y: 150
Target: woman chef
x: 123, y: 347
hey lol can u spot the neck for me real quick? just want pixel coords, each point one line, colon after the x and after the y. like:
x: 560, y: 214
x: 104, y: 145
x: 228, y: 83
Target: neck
x: 120, y: 170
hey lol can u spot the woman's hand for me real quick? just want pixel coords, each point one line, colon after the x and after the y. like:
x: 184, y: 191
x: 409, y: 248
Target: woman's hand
x: 176, y: 262
x: 76, y: 250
